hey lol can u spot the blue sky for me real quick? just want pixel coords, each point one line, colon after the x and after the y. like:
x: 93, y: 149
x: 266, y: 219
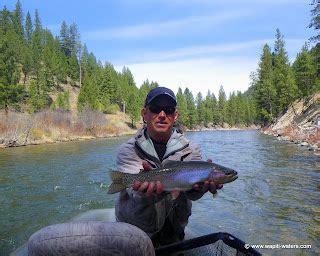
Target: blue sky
x: 201, y: 44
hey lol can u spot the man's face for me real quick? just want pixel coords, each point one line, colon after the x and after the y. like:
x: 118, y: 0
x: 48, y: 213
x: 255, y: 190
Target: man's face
x: 160, y: 116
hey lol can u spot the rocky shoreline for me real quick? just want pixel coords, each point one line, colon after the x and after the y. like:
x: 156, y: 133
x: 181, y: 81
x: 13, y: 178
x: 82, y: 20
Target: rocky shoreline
x: 305, y: 136
x: 300, y: 124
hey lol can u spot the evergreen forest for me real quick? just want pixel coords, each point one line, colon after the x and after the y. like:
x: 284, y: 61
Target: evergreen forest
x: 34, y: 63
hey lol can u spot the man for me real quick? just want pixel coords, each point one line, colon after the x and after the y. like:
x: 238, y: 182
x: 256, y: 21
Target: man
x: 163, y: 216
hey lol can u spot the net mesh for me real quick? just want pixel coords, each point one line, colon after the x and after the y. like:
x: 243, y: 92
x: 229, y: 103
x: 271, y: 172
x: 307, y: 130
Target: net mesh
x: 218, y: 248
x: 222, y: 244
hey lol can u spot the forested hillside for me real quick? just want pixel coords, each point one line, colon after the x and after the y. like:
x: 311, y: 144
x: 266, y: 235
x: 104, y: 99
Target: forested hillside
x: 37, y: 70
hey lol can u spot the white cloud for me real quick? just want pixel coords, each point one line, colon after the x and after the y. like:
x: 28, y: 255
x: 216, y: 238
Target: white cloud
x: 171, y: 27
x: 199, y: 75
x: 248, y: 48
x: 193, y: 67
x: 198, y: 51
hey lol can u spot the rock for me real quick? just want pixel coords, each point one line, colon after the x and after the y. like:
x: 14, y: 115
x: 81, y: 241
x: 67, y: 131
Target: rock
x: 11, y: 143
x: 314, y: 147
x: 304, y: 144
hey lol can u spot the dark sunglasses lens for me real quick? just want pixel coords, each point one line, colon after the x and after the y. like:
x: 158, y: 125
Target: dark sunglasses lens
x: 169, y: 110
x: 155, y: 109
x: 158, y: 109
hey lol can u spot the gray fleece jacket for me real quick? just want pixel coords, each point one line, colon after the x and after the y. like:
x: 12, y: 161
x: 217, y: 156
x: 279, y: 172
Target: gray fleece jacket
x: 150, y: 213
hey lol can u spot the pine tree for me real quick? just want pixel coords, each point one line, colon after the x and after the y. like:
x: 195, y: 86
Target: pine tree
x: 209, y: 107
x: 251, y: 111
x: 128, y: 76
x: 63, y: 101
x: 240, y: 113
x: 200, y: 109
x: 35, y: 99
x: 283, y: 76
x: 265, y: 91
x: 192, y: 118
x: 88, y: 94
x: 36, y: 45
x: 215, y: 109
x: 73, y: 67
x: 315, y: 21
x: 65, y: 42
x: 88, y: 62
x: 18, y: 21
x: 230, y: 108
x: 304, y: 72
x: 54, y: 60
x: 127, y: 84
x: 222, y: 98
x: 11, y: 93
x: 143, y: 91
x: 28, y: 29
x: 182, y: 108
x: 315, y: 51
x: 75, y: 47
x: 74, y: 38
x: 27, y: 60
x: 133, y: 108
x: 109, y: 87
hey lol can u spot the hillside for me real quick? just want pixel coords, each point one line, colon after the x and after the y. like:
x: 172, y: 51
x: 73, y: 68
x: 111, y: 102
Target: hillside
x: 300, y: 124
x: 50, y: 126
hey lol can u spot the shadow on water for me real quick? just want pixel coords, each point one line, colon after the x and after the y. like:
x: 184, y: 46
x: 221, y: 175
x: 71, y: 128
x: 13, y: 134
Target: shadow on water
x: 274, y: 201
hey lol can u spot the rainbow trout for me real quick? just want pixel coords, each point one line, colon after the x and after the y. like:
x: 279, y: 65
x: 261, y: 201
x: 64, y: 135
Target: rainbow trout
x: 175, y: 175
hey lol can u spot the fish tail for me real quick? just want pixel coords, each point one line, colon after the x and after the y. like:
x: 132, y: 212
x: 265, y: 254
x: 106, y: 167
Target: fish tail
x: 117, y: 184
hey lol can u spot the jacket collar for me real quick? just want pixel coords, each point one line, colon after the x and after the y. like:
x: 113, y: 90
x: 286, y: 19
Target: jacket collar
x: 176, y: 143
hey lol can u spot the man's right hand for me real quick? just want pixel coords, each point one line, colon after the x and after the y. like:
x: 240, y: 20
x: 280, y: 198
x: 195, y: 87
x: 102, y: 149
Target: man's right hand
x: 148, y: 187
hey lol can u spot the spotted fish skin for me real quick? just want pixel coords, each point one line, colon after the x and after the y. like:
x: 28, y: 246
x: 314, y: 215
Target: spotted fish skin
x: 175, y: 175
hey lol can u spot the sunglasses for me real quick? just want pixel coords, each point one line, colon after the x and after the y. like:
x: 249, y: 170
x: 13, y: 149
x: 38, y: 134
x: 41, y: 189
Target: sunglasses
x: 157, y: 109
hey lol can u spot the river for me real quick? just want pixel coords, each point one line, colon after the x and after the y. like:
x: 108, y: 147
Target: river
x: 276, y: 199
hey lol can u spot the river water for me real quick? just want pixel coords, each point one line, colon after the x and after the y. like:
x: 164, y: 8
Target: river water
x: 275, y: 201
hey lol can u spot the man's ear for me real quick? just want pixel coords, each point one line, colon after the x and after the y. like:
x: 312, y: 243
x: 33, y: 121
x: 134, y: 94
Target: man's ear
x: 176, y: 115
x: 143, y: 113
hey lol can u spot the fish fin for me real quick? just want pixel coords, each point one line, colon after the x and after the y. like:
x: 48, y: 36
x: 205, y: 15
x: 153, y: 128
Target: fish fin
x: 116, y: 185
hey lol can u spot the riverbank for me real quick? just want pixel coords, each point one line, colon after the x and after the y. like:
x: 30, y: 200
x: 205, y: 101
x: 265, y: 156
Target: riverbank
x: 22, y: 129
x: 222, y: 128
x: 300, y: 124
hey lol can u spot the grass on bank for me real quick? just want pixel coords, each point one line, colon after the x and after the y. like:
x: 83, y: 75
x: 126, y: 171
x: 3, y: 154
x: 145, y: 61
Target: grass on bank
x: 18, y: 129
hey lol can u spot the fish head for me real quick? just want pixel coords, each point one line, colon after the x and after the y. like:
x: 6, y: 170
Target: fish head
x: 223, y: 175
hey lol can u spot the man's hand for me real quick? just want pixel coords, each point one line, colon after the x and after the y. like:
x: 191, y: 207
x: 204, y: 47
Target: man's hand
x: 148, y: 187
x: 211, y: 186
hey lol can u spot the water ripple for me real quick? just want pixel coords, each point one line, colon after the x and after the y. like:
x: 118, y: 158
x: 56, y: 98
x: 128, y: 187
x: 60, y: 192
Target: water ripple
x: 274, y: 200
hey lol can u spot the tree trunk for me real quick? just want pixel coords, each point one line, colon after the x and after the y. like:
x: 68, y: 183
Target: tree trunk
x: 24, y: 79
x: 6, y: 109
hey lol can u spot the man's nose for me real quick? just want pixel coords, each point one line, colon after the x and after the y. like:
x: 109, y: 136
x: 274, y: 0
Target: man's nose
x: 162, y: 114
